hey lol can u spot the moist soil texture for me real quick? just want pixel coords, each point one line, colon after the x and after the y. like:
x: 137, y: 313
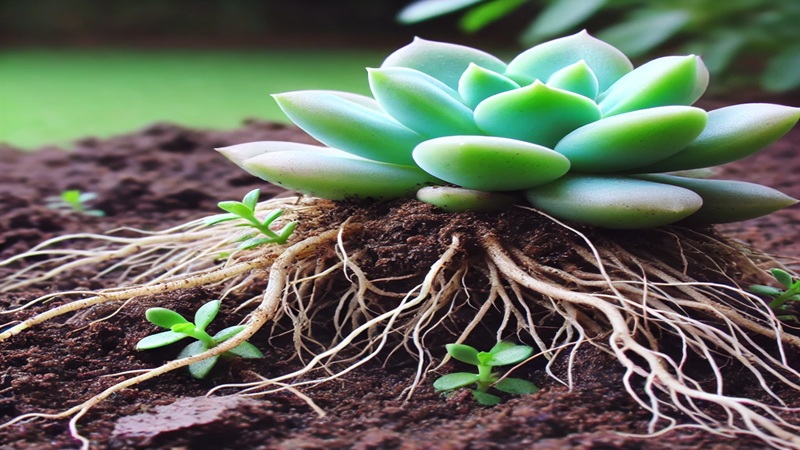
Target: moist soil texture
x: 165, y: 175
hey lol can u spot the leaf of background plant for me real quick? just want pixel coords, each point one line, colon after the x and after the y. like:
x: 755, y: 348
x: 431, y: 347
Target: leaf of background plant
x: 719, y: 50
x: 205, y: 314
x: 511, y: 355
x: 463, y: 353
x: 482, y: 15
x: 645, y: 31
x: 454, y: 381
x: 783, y: 71
x: 159, y: 340
x: 558, y: 17
x: 163, y: 317
x: 427, y: 9
x: 516, y: 386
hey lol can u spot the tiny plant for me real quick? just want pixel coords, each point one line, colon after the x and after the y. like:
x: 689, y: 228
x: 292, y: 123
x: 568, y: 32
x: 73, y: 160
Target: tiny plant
x: 180, y: 328
x: 780, y: 297
x: 502, y: 354
x: 246, y: 209
x: 74, y: 200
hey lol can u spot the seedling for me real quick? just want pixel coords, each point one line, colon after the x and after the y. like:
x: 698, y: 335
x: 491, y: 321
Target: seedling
x: 180, y: 328
x: 780, y: 297
x: 246, y: 209
x: 502, y: 354
x: 74, y: 200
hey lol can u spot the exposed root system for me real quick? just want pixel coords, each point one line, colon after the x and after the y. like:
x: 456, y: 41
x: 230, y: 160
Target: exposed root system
x: 401, y: 277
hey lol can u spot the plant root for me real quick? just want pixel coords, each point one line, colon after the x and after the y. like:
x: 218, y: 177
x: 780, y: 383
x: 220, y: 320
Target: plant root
x: 647, y: 311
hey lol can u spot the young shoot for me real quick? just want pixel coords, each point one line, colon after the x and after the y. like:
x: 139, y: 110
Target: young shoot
x: 502, y: 354
x: 780, y: 297
x: 180, y: 328
x: 76, y: 201
x: 246, y: 209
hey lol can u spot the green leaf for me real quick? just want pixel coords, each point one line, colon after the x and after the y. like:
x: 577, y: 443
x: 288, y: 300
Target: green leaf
x: 558, y: 17
x: 199, y: 369
x: 227, y: 333
x: 442, y: 61
x: 488, y: 163
x: 463, y: 353
x: 481, y: 16
x: 477, y: 84
x: 510, y: 355
x: 536, y: 113
x: 454, y: 381
x: 218, y: 218
x: 356, y: 125
x: 72, y: 197
x: 423, y: 10
x: 577, y: 78
x: 187, y: 328
x: 765, y: 290
x: 234, y: 207
x: 613, y: 201
x: 543, y: 60
x: 632, y: 140
x: 671, y: 80
x: 255, y: 242
x: 516, y: 386
x: 485, y: 399
x: 163, y: 317
x: 500, y: 346
x: 159, y: 340
x: 783, y: 70
x: 271, y: 217
x: 246, y: 350
x: 782, y: 277
x: 727, y: 201
x: 455, y: 199
x: 206, y: 313
x: 421, y: 102
x: 644, y: 32
x: 251, y: 199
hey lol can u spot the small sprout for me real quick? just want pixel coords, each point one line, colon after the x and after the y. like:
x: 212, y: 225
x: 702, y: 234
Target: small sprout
x: 502, y: 354
x: 780, y: 297
x: 74, y: 200
x: 180, y: 328
x: 246, y: 209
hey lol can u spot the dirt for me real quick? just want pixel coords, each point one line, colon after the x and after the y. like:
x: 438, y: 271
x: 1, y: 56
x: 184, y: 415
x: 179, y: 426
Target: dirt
x: 165, y: 175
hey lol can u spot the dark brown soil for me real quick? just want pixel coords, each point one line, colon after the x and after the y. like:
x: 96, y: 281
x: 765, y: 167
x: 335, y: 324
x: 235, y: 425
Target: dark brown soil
x: 165, y: 175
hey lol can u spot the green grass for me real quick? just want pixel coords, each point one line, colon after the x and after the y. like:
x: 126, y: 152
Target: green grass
x: 56, y: 96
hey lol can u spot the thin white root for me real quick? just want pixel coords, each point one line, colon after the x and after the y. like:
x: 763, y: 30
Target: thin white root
x: 623, y: 304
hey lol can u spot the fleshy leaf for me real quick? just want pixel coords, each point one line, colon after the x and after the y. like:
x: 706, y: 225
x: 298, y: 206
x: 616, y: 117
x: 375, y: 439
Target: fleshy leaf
x: 159, y: 340
x: 632, y: 140
x: 485, y: 398
x: 163, y: 317
x: 463, y: 353
x: 454, y: 381
x: 488, y: 163
x: 732, y: 133
x: 577, y: 78
x: 205, y: 314
x: 511, y: 355
x: 421, y: 102
x: 335, y: 177
x: 614, y: 202
x: 346, y: 123
x: 227, y: 333
x: 455, y: 199
x: 477, y: 84
x: 516, y: 386
x: 246, y: 350
x: 727, y: 200
x: 536, y: 113
x: 199, y: 369
x: 671, y: 80
x: 443, y: 61
x: 543, y: 60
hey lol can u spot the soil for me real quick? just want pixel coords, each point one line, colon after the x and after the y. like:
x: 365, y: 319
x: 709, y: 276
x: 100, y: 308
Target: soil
x: 165, y: 175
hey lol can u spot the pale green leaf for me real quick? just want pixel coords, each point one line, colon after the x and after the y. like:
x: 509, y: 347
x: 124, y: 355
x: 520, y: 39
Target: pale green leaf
x: 577, y: 78
x: 163, y: 317
x: 206, y: 313
x: 246, y: 350
x: 251, y: 199
x: 463, y: 353
x: 510, y: 355
x: 477, y: 84
x: 227, y: 333
x: 454, y: 381
x: 422, y: 10
x: 234, y: 207
x: 516, y: 386
x: 485, y: 399
x: 455, y: 199
x: 159, y: 340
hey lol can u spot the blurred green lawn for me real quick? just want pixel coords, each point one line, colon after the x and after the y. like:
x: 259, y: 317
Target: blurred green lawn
x: 56, y: 96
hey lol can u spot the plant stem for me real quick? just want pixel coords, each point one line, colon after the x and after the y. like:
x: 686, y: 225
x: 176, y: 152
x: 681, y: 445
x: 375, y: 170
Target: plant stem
x: 485, y: 377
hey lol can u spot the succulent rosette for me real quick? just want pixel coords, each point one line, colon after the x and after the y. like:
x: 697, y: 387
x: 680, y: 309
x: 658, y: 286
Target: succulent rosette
x: 569, y: 126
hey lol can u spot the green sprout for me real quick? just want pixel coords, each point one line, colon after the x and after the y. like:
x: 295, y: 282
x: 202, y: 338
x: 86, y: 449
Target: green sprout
x: 780, y: 297
x: 180, y: 328
x: 569, y: 126
x: 74, y: 200
x: 246, y: 209
x: 502, y: 354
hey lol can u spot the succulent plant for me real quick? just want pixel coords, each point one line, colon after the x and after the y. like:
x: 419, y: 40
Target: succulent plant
x: 568, y: 125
